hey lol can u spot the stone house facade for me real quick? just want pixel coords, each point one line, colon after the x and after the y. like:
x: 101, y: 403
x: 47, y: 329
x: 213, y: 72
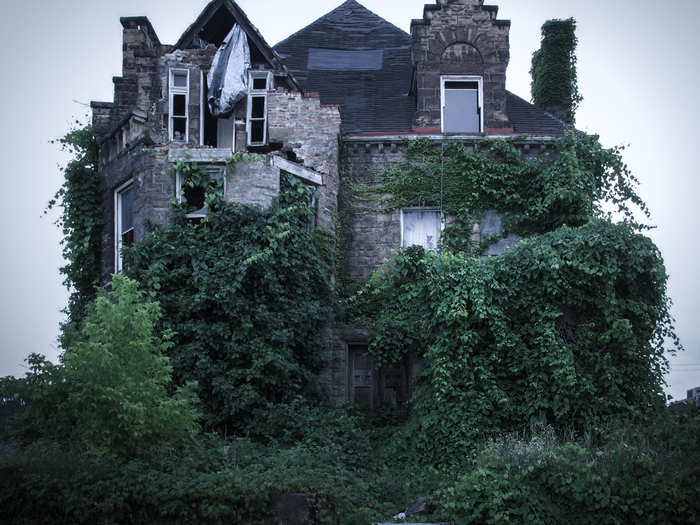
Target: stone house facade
x: 335, y: 102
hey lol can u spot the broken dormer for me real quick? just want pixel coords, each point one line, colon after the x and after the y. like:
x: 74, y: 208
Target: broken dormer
x: 460, y: 55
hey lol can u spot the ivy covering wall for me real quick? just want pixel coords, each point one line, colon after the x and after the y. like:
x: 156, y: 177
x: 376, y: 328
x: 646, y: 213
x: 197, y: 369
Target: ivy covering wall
x: 554, y: 79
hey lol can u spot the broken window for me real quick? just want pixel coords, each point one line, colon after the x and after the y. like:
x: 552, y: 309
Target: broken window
x: 178, y: 102
x: 197, y: 190
x: 462, y: 101
x: 216, y: 132
x: 259, y: 84
x: 123, y: 221
x: 421, y: 227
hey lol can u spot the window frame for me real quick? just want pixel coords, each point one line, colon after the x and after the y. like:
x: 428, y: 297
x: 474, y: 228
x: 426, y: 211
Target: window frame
x: 220, y: 169
x: 118, y: 234
x: 172, y: 92
x: 480, y: 97
x: 257, y: 93
x: 441, y: 218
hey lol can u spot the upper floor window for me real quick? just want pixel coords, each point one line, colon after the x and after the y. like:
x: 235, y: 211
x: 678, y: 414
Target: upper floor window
x: 421, y: 227
x: 260, y: 83
x: 462, y: 104
x: 178, y: 102
x: 123, y: 221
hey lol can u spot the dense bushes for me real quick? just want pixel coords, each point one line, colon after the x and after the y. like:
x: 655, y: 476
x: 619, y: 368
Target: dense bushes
x: 549, y: 479
x: 566, y: 328
x: 246, y: 294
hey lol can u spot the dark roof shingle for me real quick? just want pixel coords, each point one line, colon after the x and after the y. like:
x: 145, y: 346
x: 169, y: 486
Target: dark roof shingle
x: 371, y: 88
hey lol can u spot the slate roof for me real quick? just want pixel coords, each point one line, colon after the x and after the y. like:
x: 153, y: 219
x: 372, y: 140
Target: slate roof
x: 371, y: 76
x: 355, y: 58
x: 527, y: 118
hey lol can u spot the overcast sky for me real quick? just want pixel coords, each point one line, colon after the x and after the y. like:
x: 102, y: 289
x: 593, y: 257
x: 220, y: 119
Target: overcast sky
x: 639, y: 78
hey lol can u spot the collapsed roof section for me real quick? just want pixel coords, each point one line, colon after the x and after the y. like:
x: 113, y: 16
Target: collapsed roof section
x: 355, y: 58
x: 215, y: 23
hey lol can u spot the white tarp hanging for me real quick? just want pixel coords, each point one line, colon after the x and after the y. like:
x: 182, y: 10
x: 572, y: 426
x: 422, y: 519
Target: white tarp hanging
x: 228, y: 76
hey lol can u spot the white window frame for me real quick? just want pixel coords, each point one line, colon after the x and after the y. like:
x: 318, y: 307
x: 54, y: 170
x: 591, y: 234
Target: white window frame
x: 218, y: 168
x: 257, y: 93
x: 176, y: 90
x: 118, y: 192
x: 417, y: 208
x: 462, y: 78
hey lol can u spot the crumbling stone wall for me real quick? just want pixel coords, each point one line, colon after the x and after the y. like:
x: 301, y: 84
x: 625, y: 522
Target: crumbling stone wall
x: 310, y: 130
x: 460, y: 37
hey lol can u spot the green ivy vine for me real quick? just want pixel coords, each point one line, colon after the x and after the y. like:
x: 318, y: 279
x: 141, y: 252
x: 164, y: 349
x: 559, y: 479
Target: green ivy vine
x: 247, y: 293
x: 81, y: 219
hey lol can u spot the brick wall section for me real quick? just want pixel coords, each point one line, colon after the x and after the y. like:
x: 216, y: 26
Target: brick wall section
x: 310, y: 130
x: 460, y: 37
x: 154, y: 189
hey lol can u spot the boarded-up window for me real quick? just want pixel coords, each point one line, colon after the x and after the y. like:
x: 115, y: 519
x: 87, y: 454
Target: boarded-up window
x: 361, y: 380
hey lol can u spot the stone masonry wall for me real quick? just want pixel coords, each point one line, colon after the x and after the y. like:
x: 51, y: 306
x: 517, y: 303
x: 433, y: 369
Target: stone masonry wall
x: 147, y: 167
x: 460, y: 37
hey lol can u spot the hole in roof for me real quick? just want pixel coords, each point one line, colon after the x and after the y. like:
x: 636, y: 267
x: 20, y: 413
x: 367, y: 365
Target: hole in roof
x: 345, y: 60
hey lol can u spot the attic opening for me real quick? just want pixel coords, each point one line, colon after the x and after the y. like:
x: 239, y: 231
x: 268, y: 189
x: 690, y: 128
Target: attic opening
x: 214, y: 31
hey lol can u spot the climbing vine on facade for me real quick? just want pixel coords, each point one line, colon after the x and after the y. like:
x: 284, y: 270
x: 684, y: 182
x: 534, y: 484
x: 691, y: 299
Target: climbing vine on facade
x: 247, y: 293
x: 80, y: 201
x: 554, y: 79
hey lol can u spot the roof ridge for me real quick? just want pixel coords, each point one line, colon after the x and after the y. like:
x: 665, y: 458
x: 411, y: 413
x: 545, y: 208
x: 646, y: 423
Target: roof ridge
x: 329, y: 14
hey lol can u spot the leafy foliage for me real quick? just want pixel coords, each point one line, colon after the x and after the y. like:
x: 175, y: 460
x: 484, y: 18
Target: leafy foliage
x: 554, y: 82
x: 546, y: 479
x: 81, y: 222
x: 579, y: 180
x: 111, y: 393
x: 246, y: 293
x: 566, y: 328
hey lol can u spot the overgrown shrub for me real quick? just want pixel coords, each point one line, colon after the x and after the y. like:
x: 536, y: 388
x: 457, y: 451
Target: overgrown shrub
x: 247, y: 294
x: 549, y: 479
x: 566, y: 328
x: 112, y: 391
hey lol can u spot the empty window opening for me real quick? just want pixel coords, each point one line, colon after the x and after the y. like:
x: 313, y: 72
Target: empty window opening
x: 420, y: 227
x: 260, y: 82
x: 123, y: 221
x: 216, y: 132
x: 178, y: 103
x: 462, y: 101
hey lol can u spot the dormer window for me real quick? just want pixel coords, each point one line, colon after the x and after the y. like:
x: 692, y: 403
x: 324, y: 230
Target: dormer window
x: 462, y: 104
x: 259, y: 82
x: 178, y: 102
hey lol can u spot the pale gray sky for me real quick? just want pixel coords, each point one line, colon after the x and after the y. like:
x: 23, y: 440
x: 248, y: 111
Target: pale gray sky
x: 639, y: 77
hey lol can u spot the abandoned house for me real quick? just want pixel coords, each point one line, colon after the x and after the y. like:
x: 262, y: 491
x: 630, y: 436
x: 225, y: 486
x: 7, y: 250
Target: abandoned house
x: 335, y: 101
